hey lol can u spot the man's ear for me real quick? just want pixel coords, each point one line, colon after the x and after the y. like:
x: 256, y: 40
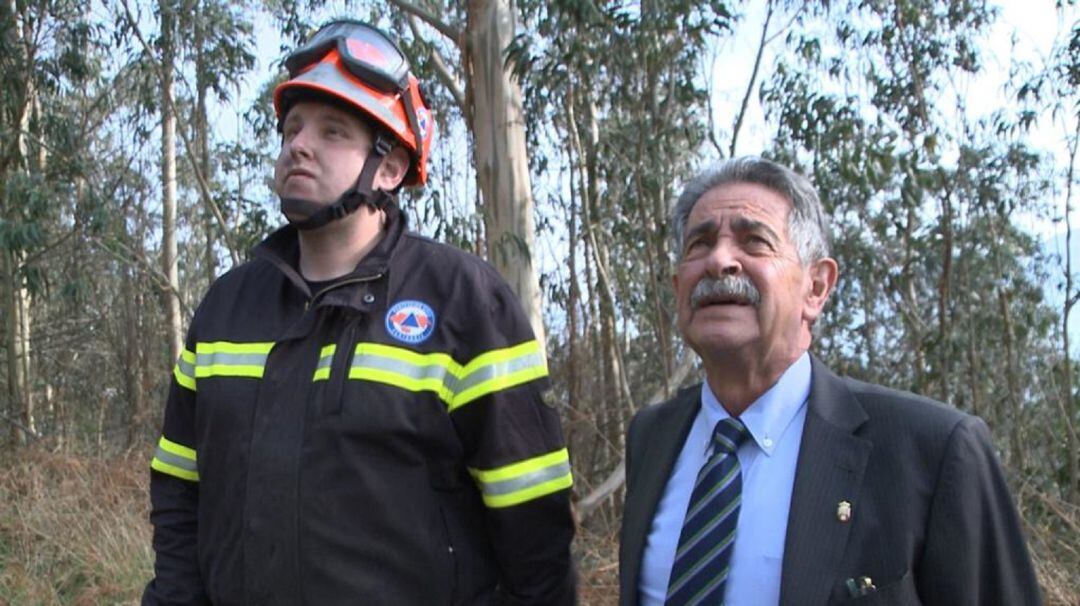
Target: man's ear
x: 822, y: 275
x: 392, y: 171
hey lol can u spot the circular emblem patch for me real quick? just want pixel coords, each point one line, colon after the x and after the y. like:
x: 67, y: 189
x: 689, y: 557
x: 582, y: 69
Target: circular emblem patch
x: 422, y: 120
x: 410, y: 321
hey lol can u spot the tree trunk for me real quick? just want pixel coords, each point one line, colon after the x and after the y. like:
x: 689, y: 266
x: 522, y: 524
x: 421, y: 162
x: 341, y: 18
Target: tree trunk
x: 1014, y: 398
x: 945, y: 350
x: 17, y: 304
x: 502, y: 161
x: 18, y: 347
x: 1065, y: 403
x: 169, y: 260
x: 202, y: 141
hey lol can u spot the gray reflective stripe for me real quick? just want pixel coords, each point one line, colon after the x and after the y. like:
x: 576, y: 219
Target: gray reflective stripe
x: 230, y: 359
x: 175, y: 460
x: 534, y: 478
x: 500, y: 369
x: 411, y: 371
x: 325, y: 361
x: 326, y: 76
x: 186, y: 368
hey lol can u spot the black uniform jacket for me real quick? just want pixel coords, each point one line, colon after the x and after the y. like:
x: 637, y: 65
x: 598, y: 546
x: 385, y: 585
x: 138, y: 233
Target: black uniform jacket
x: 381, y: 441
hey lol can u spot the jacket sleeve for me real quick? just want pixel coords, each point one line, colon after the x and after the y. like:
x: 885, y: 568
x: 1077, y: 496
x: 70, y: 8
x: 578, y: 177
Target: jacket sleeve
x: 516, y: 455
x: 174, y: 496
x: 975, y: 551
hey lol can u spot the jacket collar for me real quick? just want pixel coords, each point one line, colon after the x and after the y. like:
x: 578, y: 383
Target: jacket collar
x: 832, y: 460
x: 282, y: 249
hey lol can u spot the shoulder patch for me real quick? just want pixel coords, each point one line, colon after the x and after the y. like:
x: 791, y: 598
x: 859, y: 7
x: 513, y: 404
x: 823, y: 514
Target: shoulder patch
x: 410, y: 321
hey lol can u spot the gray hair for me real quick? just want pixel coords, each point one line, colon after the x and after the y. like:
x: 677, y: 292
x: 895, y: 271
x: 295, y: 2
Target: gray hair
x: 808, y: 227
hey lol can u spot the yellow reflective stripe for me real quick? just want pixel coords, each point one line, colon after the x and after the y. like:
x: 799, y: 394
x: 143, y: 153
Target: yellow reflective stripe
x: 497, y: 384
x: 229, y: 370
x: 406, y: 369
x: 228, y: 359
x: 455, y: 384
x: 500, y: 369
x: 177, y: 449
x: 229, y: 347
x: 409, y: 356
x: 501, y: 355
x: 176, y: 460
x: 525, y: 480
x: 403, y: 381
x: 185, y: 369
x: 326, y: 358
x: 529, y: 494
x: 172, y: 470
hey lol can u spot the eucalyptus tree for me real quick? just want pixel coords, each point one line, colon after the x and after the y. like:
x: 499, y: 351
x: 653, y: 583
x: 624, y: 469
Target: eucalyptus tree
x: 941, y: 291
x: 47, y: 53
x: 617, y: 115
x: 478, y: 34
x: 1049, y: 94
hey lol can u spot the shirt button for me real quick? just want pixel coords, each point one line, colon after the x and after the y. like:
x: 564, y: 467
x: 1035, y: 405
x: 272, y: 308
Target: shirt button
x: 767, y: 442
x: 369, y: 298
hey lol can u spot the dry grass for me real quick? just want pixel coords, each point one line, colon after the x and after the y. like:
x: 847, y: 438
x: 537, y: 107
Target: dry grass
x: 73, y: 530
x: 1053, y: 530
x: 598, y: 567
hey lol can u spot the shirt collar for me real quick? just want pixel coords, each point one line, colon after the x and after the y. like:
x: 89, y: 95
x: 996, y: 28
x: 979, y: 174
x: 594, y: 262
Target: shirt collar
x: 768, y: 417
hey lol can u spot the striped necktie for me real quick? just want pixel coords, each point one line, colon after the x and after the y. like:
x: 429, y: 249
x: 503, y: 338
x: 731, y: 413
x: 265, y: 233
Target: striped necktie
x: 703, y: 558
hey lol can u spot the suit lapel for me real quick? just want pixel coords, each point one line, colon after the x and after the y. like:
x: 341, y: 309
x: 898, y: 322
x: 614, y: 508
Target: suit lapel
x: 830, y: 469
x: 664, y: 442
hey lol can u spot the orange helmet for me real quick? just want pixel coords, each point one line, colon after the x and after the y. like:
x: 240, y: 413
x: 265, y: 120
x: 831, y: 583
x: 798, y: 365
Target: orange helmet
x: 361, y: 66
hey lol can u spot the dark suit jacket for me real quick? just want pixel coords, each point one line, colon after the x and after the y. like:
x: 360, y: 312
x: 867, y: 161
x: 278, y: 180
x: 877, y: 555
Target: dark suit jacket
x: 932, y: 519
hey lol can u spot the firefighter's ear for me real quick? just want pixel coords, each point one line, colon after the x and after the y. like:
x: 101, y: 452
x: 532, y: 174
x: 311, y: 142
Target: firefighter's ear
x: 392, y: 170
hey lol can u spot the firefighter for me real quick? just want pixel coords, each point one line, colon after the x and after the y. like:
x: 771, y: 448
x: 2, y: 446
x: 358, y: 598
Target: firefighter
x: 357, y: 416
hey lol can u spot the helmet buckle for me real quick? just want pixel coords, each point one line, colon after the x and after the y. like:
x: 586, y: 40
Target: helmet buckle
x: 382, y: 146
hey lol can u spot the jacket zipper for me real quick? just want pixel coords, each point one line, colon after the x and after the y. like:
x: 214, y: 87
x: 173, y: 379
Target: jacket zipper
x: 339, y: 367
x: 335, y: 285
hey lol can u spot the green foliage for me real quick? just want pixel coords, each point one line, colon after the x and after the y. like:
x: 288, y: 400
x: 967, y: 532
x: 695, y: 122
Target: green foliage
x: 941, y: 290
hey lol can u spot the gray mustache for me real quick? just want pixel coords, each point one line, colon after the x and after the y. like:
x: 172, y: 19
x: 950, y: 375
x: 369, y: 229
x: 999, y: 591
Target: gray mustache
x: 739, y: 288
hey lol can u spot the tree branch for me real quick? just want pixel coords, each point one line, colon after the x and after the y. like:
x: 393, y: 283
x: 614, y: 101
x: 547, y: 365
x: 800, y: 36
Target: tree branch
x: 431, y: 19
x: 200, y: 178
x: 591, y: 502
x: 18, y: 424
x: 441, y: 69
x: 787, y: 26
x: 753, y: 78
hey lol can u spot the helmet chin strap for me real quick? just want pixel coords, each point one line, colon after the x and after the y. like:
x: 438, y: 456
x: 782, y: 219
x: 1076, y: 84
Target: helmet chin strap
x: 362, y: 193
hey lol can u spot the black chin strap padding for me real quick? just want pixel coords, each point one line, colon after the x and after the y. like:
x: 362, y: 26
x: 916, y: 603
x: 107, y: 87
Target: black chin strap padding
x: 362, y: 193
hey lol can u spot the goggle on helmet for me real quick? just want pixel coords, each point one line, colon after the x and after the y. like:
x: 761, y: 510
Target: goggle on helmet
x: 358, y: 64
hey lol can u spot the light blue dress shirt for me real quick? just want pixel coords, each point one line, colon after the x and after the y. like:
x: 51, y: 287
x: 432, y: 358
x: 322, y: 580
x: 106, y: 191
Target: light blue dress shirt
x: 775, y: 421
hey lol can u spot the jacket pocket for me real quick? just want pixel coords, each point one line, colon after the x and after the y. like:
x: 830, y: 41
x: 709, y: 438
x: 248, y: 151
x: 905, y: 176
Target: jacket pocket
x: 473, y: 560
x: 897, y: 593
x: 447, y: 545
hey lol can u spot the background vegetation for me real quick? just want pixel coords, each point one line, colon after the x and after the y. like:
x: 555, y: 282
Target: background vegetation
x: 127, y: 184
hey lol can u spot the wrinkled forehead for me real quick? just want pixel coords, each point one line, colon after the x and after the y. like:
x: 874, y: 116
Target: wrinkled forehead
x: 741, y: 205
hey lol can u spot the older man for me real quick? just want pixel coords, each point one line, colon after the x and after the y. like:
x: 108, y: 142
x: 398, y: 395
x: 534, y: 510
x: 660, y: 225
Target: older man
x: 777, y: 482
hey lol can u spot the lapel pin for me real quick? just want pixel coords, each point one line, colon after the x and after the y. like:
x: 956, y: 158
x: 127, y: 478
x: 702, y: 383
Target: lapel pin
x: 843, y: 511
x: 859, y: 587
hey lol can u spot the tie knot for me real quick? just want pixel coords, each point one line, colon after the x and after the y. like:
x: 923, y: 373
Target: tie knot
x: 729, y: 433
